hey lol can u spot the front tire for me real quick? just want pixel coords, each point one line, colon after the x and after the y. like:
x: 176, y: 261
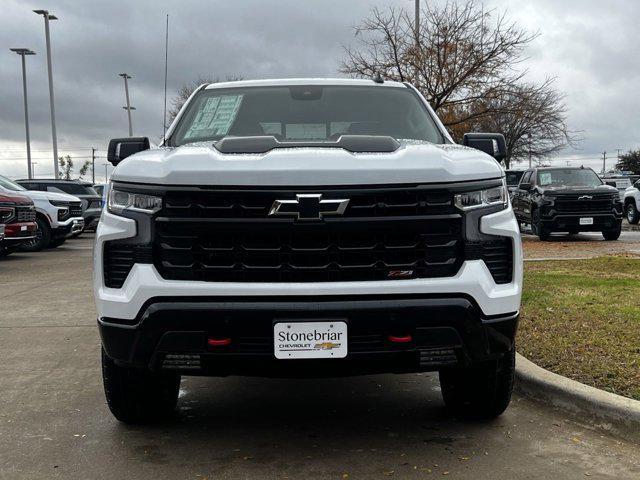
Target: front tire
x: 138, y: 396
x: 633, y: 216
x: 480, y: 391
x: 538, y: 228
x: 614, y: 234
x: 42, y: 237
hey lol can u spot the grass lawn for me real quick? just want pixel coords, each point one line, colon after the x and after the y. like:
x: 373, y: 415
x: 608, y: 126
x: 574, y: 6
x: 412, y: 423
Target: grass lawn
x: 581, y: 319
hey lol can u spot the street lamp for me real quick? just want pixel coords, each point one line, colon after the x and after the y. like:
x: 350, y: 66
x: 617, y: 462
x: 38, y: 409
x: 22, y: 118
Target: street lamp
x: 128, y: 108
x: 22, y: 52
x: 47, y: 16
x: 416, y: 32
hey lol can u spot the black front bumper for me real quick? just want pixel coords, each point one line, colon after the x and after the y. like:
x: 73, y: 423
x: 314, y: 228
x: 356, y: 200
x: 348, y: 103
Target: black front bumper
x: 570, y: 222
x: 172, y: 333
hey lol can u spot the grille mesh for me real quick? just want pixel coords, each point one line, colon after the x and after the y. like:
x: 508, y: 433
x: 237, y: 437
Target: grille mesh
x: 256, y: 204
x: 119, y: 259
x: 497, y: 255
x: 294, y: 252
x: 25, y: 214
x: 385, y: 234
x: 571, y: 203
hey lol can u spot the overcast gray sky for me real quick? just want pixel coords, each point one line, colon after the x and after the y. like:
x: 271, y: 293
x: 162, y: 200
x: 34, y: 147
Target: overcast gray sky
x: 591, y: 46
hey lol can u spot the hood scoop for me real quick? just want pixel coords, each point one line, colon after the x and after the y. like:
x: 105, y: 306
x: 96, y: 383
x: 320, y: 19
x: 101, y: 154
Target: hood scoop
x: 266, y: 143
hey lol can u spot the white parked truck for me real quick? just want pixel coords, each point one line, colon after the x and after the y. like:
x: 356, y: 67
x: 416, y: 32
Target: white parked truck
x: 632, y: 203
x: 58, y: 215
x: 302, y: 228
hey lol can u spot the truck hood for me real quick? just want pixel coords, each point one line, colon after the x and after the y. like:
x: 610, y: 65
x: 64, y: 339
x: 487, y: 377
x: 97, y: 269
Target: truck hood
x: 562, y: 190
x: 201, y: 164
x: 38, y: 195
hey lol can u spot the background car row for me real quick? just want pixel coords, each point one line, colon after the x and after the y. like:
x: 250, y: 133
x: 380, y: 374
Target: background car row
x: 38, y: 214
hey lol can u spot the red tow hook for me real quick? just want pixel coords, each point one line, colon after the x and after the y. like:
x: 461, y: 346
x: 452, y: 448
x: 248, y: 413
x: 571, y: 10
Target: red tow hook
x: 218, y: 342
x: 403, y: 339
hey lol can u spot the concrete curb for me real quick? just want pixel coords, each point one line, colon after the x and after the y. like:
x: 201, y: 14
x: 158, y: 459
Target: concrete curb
x: 605, y: 410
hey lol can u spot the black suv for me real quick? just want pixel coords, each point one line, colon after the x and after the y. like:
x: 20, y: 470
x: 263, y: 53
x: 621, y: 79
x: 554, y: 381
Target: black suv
x: 91, y: 201
x: 567, y: 199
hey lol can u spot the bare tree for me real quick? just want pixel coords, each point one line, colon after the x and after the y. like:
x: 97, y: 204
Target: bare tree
x: 466, y: 58
x: 532, y: 119
x: 185, y: 91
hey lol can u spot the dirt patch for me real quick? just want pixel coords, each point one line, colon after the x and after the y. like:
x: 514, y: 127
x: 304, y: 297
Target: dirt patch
x: 579, y: 246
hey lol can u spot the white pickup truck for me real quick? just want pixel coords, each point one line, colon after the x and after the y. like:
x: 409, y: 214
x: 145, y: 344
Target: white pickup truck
x: 632, y: 203
x: 302, y: 228
x: 58, y: 215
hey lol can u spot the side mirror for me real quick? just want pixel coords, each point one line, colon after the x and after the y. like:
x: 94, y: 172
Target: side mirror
x: 612, y: 184
x: 525, y: 186
x: 121, y: 148
x: 490, y: 143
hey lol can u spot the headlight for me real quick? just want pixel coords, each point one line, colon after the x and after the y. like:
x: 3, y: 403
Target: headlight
x: 59, y: 203
x: 483, y: 198
x: 118, y: 201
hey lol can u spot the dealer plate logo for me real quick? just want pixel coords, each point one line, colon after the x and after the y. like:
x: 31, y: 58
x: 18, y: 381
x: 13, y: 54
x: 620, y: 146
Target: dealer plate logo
x: 300, y: 340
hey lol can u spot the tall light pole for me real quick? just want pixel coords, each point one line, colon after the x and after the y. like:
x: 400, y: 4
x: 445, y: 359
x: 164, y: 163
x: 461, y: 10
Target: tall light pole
x: 128, y: 108
x: 416, y: 28
x: 22, y: 52
x: 47, y: 16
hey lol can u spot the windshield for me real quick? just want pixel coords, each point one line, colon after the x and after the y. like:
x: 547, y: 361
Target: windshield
x: 306, y: 113
x: 513, y: 178
x: 569, y: 177
x: 9, y: 185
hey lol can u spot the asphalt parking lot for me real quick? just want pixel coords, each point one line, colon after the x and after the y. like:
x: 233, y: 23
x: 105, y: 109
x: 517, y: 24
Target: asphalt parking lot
x: 54, y: 422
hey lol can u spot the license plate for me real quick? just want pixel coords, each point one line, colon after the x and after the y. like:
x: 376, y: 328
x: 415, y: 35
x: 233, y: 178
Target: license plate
x: 586, y: 221
x: 296, y: 340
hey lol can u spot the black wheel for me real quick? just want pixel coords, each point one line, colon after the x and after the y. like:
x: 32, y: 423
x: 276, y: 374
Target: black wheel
x: 57, y: 242
x: 138, y: 396
x: 4, y: 251
x: 537, y: 227
x: 612, y: 234
x: 42, y: 237
x: 633, y: 216
x: 482, y: 391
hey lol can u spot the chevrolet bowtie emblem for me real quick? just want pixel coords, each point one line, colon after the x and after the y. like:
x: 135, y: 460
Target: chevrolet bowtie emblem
x: 309, y: 206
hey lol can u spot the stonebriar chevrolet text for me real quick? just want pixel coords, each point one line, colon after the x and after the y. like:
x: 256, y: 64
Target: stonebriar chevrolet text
x: 307, y: 228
